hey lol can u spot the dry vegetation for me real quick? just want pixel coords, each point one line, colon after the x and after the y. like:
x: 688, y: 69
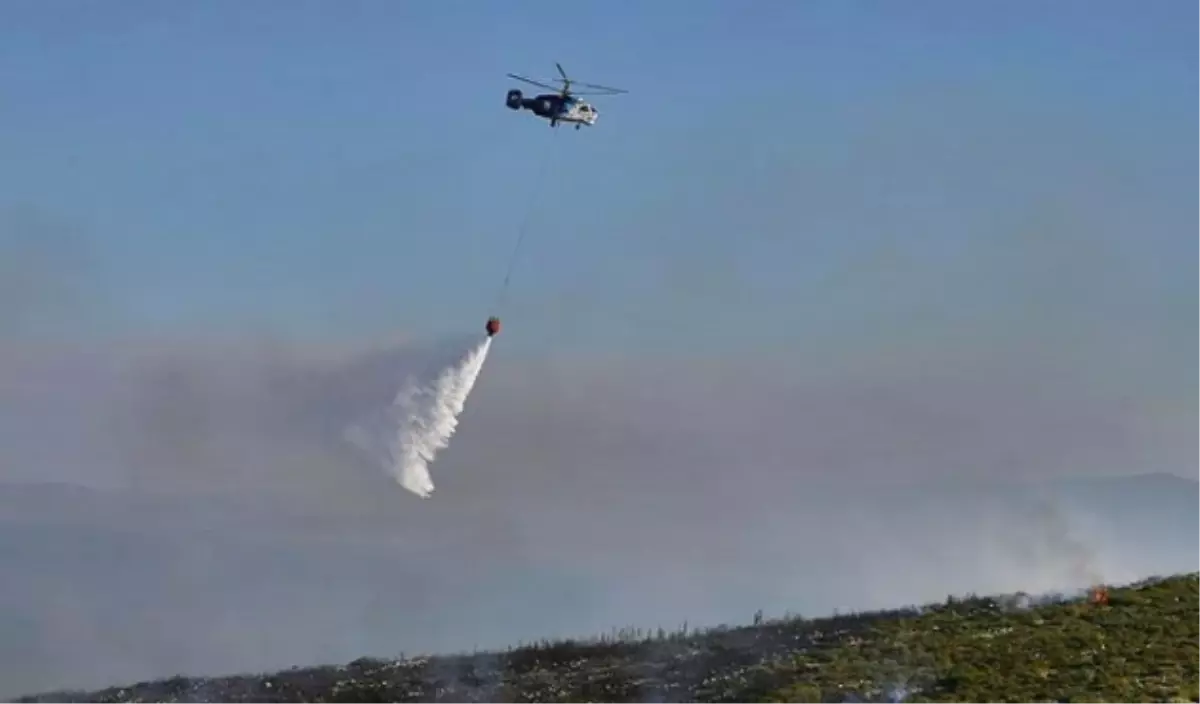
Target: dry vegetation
x: 1140, y: 646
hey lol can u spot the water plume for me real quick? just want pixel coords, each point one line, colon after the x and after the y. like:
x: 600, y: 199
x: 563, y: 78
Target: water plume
x: 421, y: 420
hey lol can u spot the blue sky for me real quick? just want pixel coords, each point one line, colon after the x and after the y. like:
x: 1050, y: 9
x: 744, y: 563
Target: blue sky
x: 333, y: 169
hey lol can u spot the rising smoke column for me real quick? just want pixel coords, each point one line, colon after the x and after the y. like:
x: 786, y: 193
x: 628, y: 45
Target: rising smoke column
x: 420, y: 421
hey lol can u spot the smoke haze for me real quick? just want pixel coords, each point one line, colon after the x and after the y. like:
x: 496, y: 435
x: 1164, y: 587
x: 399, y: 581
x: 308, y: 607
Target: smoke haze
x: 226, y: 525
x: 189, y: 504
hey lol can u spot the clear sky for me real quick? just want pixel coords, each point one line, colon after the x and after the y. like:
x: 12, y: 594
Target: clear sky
x: 777, y: 171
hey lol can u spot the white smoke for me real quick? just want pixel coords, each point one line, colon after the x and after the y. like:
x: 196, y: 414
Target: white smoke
x: 420, y: 421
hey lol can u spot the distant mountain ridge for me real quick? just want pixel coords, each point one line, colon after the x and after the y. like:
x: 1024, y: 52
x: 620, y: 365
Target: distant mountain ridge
x: 1138, y: 645
x: 231, y: 571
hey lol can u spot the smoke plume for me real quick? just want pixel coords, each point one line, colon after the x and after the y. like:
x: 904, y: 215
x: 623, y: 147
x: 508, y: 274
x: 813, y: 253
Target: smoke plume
x: 420, y: 421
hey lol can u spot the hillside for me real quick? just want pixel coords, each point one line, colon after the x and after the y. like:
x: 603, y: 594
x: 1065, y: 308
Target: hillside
x: 1140, y: 646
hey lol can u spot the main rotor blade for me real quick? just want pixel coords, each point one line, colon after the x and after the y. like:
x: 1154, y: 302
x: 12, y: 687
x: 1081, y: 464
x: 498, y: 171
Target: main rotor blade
x: 531, y: 81
x: 567, y: 83
x: 593, y: 85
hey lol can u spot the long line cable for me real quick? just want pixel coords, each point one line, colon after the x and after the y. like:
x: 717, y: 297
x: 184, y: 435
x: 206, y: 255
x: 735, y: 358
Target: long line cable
x: 502, y: 294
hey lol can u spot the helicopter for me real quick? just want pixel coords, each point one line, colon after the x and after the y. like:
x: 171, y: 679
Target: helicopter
x: 562, y: 105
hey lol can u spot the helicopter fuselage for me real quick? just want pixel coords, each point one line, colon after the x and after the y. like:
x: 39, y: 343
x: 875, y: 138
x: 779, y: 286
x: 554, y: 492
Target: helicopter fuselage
x: 554, y: 107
